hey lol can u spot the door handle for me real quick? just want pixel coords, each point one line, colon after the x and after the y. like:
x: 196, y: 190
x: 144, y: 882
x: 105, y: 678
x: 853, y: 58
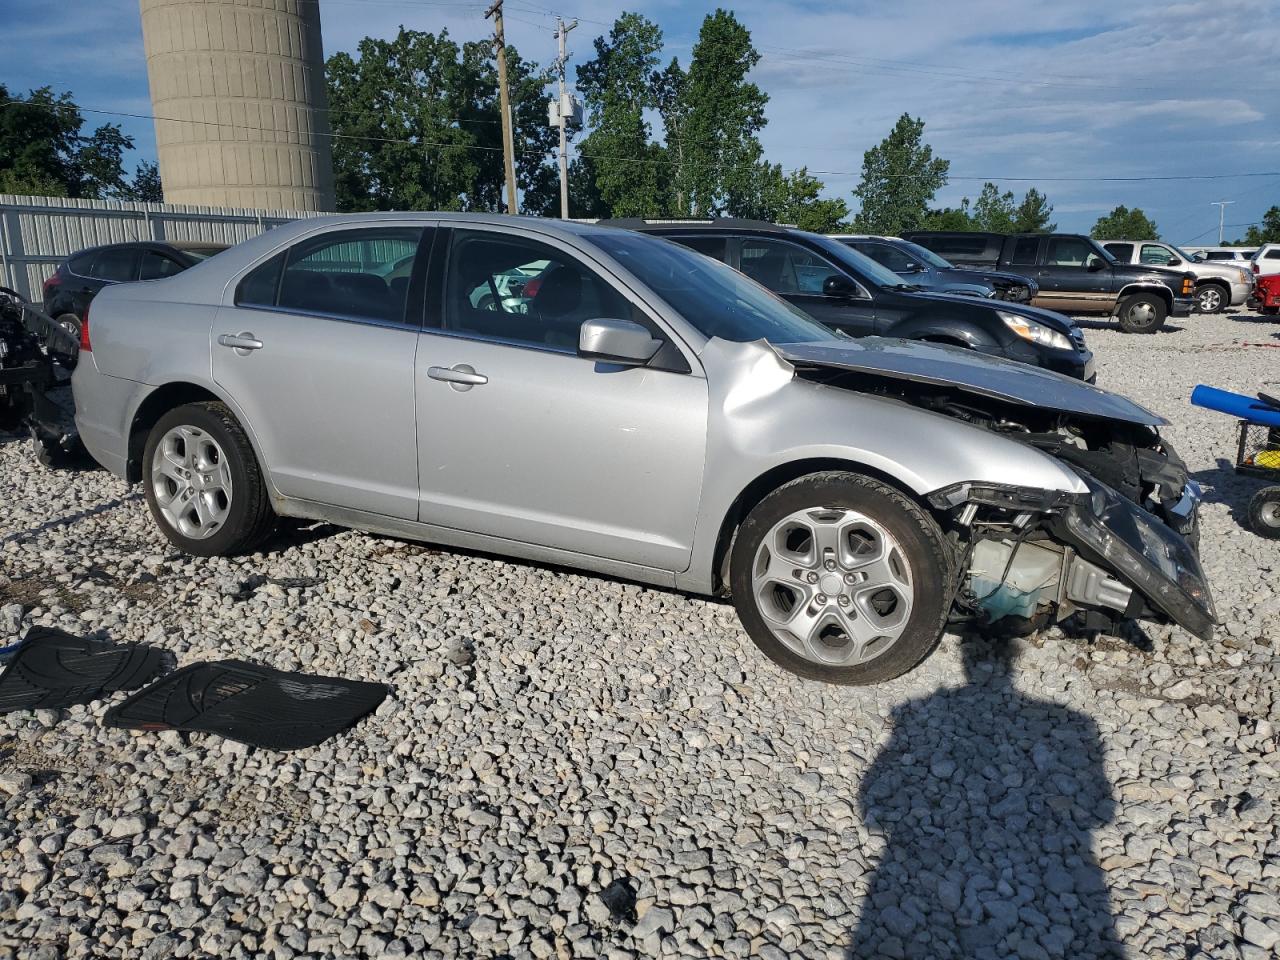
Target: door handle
x: 241, y: 343
x: 461, y: 376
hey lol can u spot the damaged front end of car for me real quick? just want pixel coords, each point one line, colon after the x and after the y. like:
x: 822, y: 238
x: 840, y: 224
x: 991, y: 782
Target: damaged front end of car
x: 1031, y: 557
x: 1125, y: 549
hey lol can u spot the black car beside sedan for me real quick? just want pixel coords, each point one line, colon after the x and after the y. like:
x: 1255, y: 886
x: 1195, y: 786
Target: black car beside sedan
x: 849, y: 292
x: 923, y: 268
x: 78, y: 278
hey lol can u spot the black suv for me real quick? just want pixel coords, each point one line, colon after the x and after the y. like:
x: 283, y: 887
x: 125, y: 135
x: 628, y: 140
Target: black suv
x: 1075, y: 273
x: 849, y: 292
x: 78, y: 278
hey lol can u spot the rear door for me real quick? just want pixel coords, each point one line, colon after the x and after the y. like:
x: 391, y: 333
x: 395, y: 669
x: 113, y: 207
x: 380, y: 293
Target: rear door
x: 520, y: 438
x: 1072, y: 275
x: 318, y: 350
x: 797, y: 274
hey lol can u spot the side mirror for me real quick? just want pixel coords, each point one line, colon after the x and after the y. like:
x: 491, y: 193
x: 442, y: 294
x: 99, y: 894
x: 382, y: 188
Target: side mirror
x: 617, y: 341
x: 913, y: 267
x: 838, y: 286
x: 1095, y: 264
x: 1173, y: 262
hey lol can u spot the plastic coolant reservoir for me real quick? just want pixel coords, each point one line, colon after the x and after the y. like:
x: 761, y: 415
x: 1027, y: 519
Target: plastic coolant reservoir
x: 1032, y: 579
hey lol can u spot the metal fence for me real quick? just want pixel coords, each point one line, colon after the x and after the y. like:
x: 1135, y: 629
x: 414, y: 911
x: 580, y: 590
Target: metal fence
x: 37, y: 233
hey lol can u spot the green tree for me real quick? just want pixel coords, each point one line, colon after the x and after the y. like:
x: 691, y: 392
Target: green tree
x: 796, y: 199
x: 1125, y: 224
x: 950, y: 218
x: 994, y: 211
x: 1033, y: 213
x: 617, y: 89
x: 418, y: 127
x: 900, y: 176
x: 669, y: 96
x: 145, y: 185
x: 43, y: 151
x: 1268, y: 231
x: 720, y: 115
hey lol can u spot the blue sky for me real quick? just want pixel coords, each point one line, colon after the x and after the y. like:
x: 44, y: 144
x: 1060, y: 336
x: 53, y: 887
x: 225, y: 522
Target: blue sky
x: 1040, y: 90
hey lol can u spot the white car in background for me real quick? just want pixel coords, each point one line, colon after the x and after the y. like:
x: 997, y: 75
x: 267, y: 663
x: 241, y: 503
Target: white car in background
x: 1267, y: 260
x: 1218, y: 285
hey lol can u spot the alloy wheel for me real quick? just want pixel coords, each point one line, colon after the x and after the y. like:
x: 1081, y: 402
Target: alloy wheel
x: 191, y: 479
x: 833, y: 585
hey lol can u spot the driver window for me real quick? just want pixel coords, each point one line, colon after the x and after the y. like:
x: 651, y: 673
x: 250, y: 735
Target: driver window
x: 523, y: 292
x: 785, y: 268
x: 887, y: 256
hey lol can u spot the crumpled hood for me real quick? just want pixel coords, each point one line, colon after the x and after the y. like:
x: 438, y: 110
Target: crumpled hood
x: 971, y: 372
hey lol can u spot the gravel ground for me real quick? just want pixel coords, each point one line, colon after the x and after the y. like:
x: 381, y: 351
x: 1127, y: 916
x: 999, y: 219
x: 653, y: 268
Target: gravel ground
x: 573, y: 766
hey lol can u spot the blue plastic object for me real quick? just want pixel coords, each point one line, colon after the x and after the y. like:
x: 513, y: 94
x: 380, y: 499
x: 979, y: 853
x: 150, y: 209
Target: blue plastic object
x: 1236, y: 404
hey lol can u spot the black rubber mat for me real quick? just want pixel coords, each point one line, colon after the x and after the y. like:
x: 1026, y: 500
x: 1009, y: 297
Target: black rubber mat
x: 52, y: 668
x: 250, y: 703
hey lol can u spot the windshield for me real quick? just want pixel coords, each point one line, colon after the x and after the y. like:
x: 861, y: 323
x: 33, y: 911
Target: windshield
x: 715, y: 299
x: 925, y: 254
x: 862, y: 266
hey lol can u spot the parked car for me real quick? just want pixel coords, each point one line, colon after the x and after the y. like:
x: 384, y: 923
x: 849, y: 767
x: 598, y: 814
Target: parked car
x: 653, y: 414
x: 1267, y: 260
x: 1230, y: 254
x: 1075, y: 275
x: 78, y: 279
x: 1266, y: 296
x: 925, y: 269
x: 1218, y: 285
x: 851, y: 293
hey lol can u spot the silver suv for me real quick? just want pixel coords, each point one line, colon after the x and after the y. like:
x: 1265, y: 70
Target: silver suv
x: 1219, y: 284
x: 589, y: 396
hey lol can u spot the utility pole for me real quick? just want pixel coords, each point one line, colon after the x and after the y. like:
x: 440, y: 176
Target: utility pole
x: 508, y: 138
x: 1222, y: 211
x: 562, y: 32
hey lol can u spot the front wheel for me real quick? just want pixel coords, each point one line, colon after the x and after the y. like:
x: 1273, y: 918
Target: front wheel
x: 1210, y: 299
x: 1264, y: 513
x: 840, y: 578
x: 203, y: 483
x: 1142, y: 313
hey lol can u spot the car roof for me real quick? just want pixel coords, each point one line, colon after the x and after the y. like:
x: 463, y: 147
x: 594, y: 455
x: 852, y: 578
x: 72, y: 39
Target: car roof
x: 865, y: 236
x: 708, y: 223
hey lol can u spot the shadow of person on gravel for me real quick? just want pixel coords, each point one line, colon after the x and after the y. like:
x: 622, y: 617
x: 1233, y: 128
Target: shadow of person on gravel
x: 986, y: 798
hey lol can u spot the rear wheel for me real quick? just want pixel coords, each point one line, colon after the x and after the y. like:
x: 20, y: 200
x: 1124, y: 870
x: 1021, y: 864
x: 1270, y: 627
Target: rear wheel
x: 70, y: 323
x: 1264, y: 513
x: 203, y: 483
x: 841, y: 578
x: 1142, y: 313
x: 1211, y: 298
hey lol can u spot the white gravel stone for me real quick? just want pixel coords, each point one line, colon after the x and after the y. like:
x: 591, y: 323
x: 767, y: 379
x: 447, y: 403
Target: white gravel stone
x: 574, y: 766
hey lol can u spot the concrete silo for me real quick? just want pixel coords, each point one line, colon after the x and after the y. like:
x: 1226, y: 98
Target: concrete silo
x: 237, y: 87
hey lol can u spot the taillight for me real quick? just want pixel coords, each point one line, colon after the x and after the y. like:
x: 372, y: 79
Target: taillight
x: 1256, y: 271
x: 51, y: 284
x: 85, y: 345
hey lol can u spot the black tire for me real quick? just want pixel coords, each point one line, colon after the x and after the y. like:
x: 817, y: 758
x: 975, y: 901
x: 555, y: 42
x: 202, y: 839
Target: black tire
x: 250, y: 518
x: 916, y: 531
x: 1212, y: 298
x: 70, y: 323
x: 1264, y: 513
x: 1142, y: 313
x: 1271, y: 311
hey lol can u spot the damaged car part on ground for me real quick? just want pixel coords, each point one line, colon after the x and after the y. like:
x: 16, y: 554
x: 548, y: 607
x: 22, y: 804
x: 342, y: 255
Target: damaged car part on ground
x: 50, y: 669
x: 639, y: 411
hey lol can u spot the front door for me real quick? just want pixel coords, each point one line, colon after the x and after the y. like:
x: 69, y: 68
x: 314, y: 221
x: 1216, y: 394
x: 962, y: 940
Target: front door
x: 318, y: 352
x: 797, y: 275
x: 522, y: 439
x: 1074, y: 276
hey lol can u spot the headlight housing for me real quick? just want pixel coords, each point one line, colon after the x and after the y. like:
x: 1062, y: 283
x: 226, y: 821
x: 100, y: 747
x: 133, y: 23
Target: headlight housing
x: 1146, y: 552
x: 1035, y: 332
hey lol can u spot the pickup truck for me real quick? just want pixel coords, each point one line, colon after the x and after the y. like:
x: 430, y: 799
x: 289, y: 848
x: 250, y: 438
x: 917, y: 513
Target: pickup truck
x: 1075, y: 274
x: 1218, y: 285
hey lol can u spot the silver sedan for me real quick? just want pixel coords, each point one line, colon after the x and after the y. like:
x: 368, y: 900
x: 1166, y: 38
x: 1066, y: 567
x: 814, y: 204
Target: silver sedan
x: 637, y: 410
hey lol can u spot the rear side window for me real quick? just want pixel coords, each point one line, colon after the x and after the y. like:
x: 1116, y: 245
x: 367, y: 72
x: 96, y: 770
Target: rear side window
x: 81, y: 263
x: 156, y: 266
x: 1272, y: 255
x: 360, y: 274
x: 1121, y: 251
x: 117, y: 264
x: 1025, y: 250
x: 713, y: 247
